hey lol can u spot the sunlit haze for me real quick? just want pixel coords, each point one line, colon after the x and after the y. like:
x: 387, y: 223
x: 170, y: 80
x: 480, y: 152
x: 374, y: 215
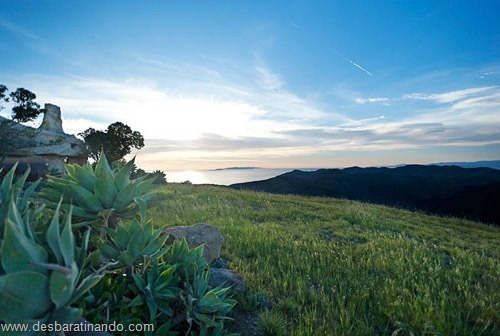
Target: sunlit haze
x: 279, y: 84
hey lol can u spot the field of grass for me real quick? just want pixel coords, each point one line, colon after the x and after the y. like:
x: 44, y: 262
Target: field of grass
x: 322, y: 266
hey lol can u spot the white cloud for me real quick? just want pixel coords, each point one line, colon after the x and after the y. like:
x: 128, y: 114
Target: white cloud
x: 180, y: 119
x: 217, y: 122
x: 266, y: 79
x: 488, y: 101
x: 448, y: 97
x: 370, y: 100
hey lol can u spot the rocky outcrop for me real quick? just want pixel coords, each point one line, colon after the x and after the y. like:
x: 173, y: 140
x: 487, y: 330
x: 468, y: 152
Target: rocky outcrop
x: 52, y: 121
x: 51, y: 146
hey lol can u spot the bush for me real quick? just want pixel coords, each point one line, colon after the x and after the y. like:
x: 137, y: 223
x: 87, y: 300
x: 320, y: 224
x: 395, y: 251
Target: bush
x: 160, y: 177
x: 104, y: 261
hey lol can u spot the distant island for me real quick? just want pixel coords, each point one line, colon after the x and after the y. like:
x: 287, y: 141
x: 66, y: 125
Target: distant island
x: 236, y: 168
x: 495, y: 164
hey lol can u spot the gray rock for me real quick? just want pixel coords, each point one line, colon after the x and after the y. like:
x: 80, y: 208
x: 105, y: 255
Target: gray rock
x: 218, y: 263
x: 52, y: 121
x: 227, y: 278
x: 197, y: 235
x: 52, y: 147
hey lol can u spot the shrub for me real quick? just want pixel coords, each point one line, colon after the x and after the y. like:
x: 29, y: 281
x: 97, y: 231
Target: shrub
x: 99, y: 194
x: 104, y: 262
x: 160, y: 177
x: 272, y: 324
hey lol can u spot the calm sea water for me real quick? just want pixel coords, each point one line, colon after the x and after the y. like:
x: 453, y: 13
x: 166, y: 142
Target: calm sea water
x: 226, y: 176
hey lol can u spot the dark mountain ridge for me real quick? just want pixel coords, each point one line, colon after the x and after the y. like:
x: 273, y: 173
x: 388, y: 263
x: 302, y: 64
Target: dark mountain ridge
x: 472, y: 193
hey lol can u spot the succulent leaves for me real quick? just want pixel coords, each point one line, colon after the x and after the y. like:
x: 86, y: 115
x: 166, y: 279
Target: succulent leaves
x: 128, y: 243
x: 14, y: 190
x: 100, y: 192
x: 44, y: 281
x: 44, y: 272
x: 39, y: 276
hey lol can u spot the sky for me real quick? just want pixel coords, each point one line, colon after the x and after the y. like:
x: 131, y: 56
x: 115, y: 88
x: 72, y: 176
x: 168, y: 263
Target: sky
x: 274, y: 84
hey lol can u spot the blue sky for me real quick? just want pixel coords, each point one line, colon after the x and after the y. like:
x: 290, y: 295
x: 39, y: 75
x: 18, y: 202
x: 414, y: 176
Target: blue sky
x: 267, y: 83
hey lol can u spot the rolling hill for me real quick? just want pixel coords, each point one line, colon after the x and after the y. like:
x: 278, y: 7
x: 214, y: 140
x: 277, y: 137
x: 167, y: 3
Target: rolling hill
x: 325, y: 266
x: 471, y: 193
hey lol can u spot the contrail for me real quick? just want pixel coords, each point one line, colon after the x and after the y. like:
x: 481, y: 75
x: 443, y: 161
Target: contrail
x: 340, y: 54
x: 352, y: 62
x: 361, y: 68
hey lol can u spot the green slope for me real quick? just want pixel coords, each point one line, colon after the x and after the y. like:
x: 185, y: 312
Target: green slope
x: 337, y: 267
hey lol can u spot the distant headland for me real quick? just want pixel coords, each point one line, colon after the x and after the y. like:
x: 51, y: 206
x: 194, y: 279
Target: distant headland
x: 236, y: 168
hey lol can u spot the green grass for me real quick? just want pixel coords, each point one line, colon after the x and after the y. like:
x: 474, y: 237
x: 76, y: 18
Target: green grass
x: 338, y: 267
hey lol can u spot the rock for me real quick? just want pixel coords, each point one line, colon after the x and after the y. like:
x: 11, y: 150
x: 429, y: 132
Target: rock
x: 209, y: 235
x: 52, y: 121
x: 218, y: 263
x: 197, y: 235
x: 227, y: 278
x: 49, y: 146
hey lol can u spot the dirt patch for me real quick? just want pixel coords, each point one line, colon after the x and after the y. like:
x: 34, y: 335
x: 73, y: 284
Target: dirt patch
x: 245, y: 322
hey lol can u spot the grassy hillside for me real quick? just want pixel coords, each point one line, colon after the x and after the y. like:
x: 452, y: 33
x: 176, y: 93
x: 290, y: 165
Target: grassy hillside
x: 323, y: 266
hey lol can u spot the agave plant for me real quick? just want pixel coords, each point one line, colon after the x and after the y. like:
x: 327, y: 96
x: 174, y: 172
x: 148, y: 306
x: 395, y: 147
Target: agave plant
x: 11, y: 190
x: 100, y: 193
x: 189, y: 262
x: 129, y: 243
x: 157, y: 289
x: 208, y: 308
x: 39, y: 282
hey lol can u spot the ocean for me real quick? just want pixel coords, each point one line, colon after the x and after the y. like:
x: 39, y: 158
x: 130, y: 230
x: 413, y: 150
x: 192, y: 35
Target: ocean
x: 226, y: 176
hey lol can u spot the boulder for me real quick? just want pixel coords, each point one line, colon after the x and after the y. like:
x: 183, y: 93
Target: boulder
x: 226, y: 278
x: 197, y: 235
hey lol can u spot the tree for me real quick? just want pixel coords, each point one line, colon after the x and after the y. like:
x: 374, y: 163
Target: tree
x: 25, y: 109
x: 3, y: 90
x: 116, y: 142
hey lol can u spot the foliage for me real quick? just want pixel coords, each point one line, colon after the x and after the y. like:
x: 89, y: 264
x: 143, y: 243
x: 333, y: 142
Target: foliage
x: 124, y: 273
x: 99, y: 193
x: 160, y: 177
x: 338, y: 267
x: 41, y: 277
x: 12, y: 137
x: 3, y: 92
x: 128, y: 243
x: 272, y: 324
x: 14, y: 192
x: 116, y: 142
x: 25, y: 108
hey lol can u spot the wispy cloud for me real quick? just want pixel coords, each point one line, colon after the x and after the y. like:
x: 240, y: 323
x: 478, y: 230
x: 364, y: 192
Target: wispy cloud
x: 266, y: 78
x: 181, y: 70
x: 17, y: 30
x: 219, y: 121
x: 448, y: 97
x: 31, y: 40
x: 370, y: 100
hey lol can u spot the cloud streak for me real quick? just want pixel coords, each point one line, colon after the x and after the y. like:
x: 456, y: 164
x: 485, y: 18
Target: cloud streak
x: 370, y: 100
x: 361, y: 68
x: 449, y: 97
